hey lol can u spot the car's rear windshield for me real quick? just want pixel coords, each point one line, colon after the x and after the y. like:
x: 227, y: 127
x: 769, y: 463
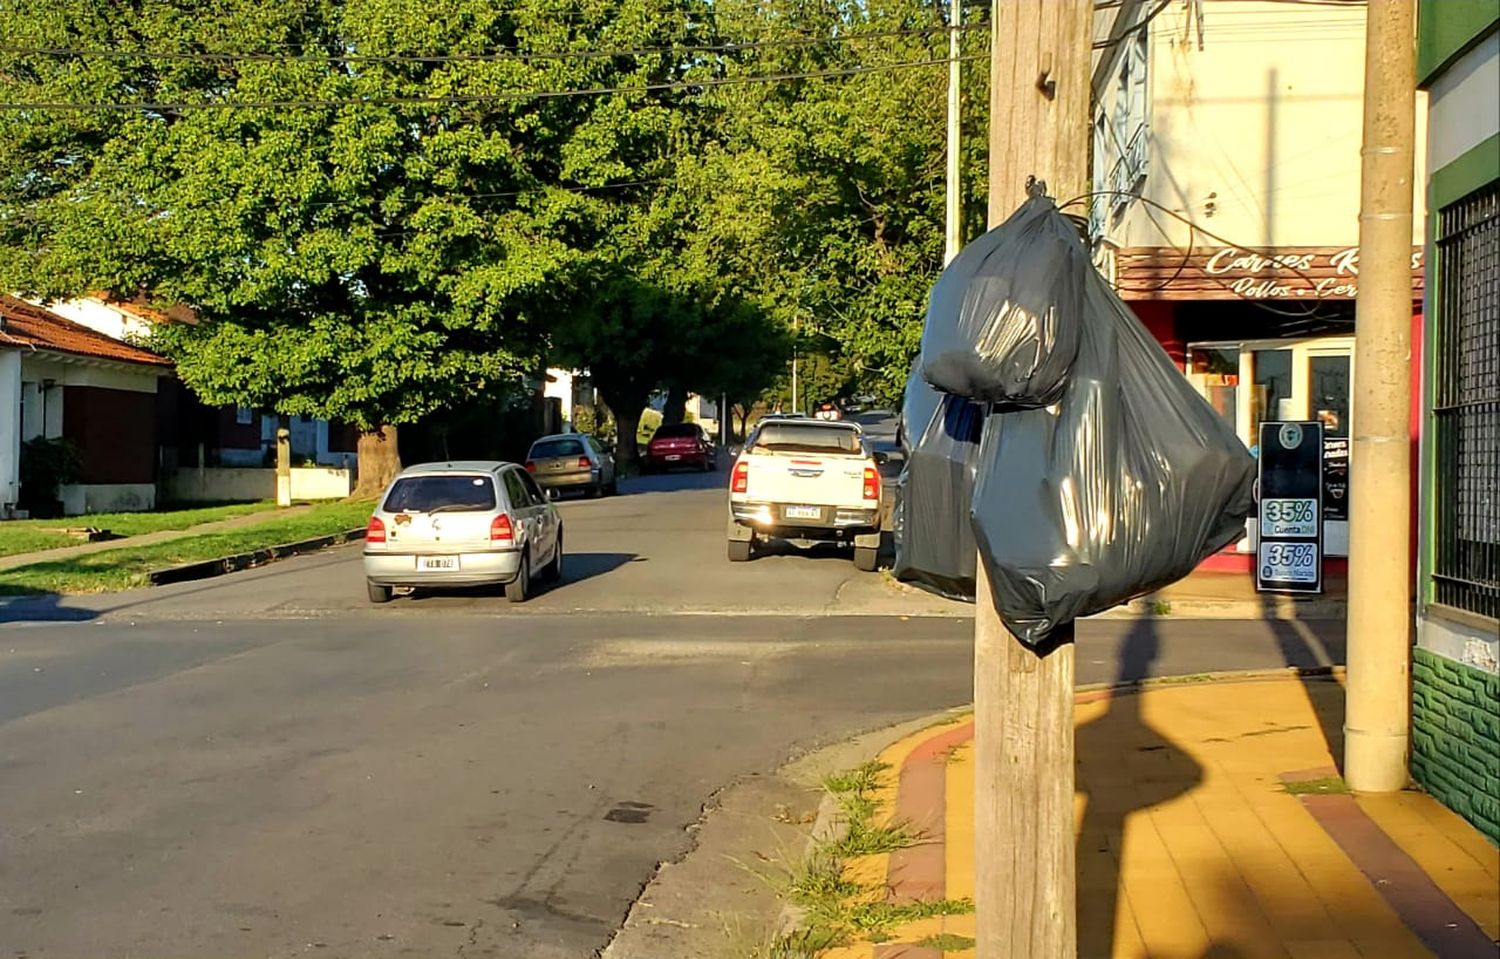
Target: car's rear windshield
x: 790, y: 437
x: 446, y: 494
x: 551, y: 449
x: 676, y: 432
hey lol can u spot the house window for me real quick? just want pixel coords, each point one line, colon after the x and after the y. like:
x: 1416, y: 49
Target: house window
x: 243, y: 415
x: 1129, y: 130
x: 1465, y: 408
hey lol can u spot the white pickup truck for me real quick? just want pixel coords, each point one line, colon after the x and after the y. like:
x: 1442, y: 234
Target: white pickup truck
x: 806, y: 481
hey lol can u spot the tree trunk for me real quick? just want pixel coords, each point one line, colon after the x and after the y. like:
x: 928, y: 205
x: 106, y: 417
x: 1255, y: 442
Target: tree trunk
x: 676, y: 409
x: 379, y: 462
x: 627, y: 424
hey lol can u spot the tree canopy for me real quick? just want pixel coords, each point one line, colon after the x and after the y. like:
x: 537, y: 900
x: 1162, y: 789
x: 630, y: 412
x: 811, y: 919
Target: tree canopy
x: 381, y: 208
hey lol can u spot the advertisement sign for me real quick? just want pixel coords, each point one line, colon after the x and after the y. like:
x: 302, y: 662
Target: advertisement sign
x: 1289, y: 550
x: 1335, y: 478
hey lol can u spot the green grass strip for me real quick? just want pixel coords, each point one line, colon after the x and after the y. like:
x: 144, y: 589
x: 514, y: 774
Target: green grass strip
x: 128, y: 567
x: 33, y: 535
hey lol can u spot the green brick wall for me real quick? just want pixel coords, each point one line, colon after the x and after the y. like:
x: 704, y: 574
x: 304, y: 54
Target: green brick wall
x: 1456, y: 738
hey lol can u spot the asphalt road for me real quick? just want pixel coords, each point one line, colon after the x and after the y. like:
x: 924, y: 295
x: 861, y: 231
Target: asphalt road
x: 264, y: 765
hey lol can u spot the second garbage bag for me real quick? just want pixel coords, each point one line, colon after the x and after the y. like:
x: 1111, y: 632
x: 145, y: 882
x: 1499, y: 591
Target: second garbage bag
x: 940, y: 436
x: 1122, y: 481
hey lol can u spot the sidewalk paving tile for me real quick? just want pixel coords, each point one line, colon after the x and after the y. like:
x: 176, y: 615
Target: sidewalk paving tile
x: 1191, y: 846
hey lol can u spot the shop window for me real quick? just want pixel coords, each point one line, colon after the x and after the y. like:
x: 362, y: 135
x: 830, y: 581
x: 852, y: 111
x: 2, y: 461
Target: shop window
x: 1272, y: 388
x: 1328, y: 378
x: 1466, y: 409
x: 1215, y: 372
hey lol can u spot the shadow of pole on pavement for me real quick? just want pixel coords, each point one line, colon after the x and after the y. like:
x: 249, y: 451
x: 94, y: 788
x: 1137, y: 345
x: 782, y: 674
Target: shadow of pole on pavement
x: 1125, y: 768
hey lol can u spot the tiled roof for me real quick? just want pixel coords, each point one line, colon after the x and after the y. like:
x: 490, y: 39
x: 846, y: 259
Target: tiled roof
x: 140, y: 309
x: 27, y: 327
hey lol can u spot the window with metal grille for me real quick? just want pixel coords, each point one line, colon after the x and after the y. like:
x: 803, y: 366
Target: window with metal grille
x: 1466, y: 405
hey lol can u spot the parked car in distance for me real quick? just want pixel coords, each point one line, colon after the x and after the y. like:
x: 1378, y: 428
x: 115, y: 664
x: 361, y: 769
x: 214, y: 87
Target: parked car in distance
x: 806, y: 481
x: 681, y: 445
x: 468, y: 523
x: 572, y: 461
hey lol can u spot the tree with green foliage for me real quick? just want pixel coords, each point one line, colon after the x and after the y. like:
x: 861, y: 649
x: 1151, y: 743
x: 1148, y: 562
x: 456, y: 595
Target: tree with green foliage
x: 827, y: 196
x: 386, y: 239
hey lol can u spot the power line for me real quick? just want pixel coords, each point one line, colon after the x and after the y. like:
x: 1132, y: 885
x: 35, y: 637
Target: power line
x: 500, y: 54
x: 475, y: 99
x: 1134, y: 28
x: 1193, y: 228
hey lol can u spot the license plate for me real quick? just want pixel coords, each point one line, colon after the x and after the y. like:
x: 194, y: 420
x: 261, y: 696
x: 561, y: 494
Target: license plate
x: 803, y: 512
x: 437, y: 562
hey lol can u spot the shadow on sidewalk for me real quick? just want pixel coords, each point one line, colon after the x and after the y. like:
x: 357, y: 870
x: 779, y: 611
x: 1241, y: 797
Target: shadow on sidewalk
x: 1125, y: 768
x: 1302, y: 648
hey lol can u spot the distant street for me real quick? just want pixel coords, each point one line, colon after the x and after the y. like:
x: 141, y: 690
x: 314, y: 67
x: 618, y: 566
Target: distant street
x: 264, y: 765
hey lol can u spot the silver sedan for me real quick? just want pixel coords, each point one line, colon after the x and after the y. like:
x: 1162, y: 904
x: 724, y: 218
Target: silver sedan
x: 473, y: 523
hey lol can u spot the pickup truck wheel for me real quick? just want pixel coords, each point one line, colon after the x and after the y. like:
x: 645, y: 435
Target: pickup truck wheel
x: 866, y: 558
x: 740, y: 550
x: 378, y: 593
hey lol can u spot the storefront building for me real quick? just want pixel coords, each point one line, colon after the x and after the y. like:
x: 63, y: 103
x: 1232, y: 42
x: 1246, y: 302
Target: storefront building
x: 1225, y: 210
x: 1456, y: 662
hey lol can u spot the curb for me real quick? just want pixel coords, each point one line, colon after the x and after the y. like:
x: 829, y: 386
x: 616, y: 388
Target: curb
x: 207, y: 568
x: 1271, y: 608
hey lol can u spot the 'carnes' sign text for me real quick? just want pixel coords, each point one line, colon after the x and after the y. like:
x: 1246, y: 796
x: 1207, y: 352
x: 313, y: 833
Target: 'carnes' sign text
x: 1231, y: 273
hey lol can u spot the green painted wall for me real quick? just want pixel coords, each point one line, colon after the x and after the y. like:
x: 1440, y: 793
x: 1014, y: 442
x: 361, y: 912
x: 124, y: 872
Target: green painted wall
x: 1456, y: 738
x: 1448, y: 28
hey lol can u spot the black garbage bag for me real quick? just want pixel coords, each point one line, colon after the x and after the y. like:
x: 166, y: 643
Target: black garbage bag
x: 1000, y: 321
x: 940, y: 437
x: 1119, y: 485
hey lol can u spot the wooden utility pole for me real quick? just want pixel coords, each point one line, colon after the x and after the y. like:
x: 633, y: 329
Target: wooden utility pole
x: 1377, y: 722
x: 1025, y: 895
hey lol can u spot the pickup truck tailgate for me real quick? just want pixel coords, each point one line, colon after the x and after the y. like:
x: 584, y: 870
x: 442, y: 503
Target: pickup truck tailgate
x: 811, y: 479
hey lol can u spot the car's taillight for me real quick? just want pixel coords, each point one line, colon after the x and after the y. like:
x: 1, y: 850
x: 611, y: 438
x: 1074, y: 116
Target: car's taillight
x: 375, y: 531
x: 501, y: 531
x: 530, y: 466
x: 583, y: 463
x: 740, y: 482
x: 872, y: 483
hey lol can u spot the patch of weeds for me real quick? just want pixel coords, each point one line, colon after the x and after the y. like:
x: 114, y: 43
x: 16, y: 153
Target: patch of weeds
x: 1161, y: 607
x: 1191, y: 678
x: 947, y: 942
x: 836, y: 908
x: 1331, y: 786
x: 802, y: 944
x: 878, y: 917
x: 819, y: 886
x: 863, y: 778
x: 864, y: 839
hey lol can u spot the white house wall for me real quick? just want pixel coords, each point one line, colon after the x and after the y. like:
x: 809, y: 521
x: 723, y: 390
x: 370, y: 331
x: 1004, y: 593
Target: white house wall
x: 10, y: 429
x: 100, y: 317
x: 1465, y: 111
x: 37, y: 368
x: 1256, y: 136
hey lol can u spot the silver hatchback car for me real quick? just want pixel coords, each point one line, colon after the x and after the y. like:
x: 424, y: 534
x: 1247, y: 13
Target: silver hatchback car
x: 572, y: 461
x: 463, y: 524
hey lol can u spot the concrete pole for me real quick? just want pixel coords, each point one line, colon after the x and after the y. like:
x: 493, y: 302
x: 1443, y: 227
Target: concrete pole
x: 1025, y: 871
x: 283, y: 466
x: 1378, y: 717
x: 954, y: 220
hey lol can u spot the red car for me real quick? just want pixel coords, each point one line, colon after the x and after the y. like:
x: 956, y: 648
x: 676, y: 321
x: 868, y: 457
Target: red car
x: 683, y: 445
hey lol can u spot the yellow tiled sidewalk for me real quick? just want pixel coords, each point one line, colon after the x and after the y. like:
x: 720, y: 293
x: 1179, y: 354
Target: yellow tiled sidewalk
x: 1190, y: 845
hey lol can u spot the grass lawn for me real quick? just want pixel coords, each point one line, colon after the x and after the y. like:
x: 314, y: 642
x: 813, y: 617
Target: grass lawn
x: 126, y: 567
x: 29, y: 535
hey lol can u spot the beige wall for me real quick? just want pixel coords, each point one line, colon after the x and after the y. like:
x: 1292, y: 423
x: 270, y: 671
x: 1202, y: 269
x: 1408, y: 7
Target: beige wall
x: 1257, y: 135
